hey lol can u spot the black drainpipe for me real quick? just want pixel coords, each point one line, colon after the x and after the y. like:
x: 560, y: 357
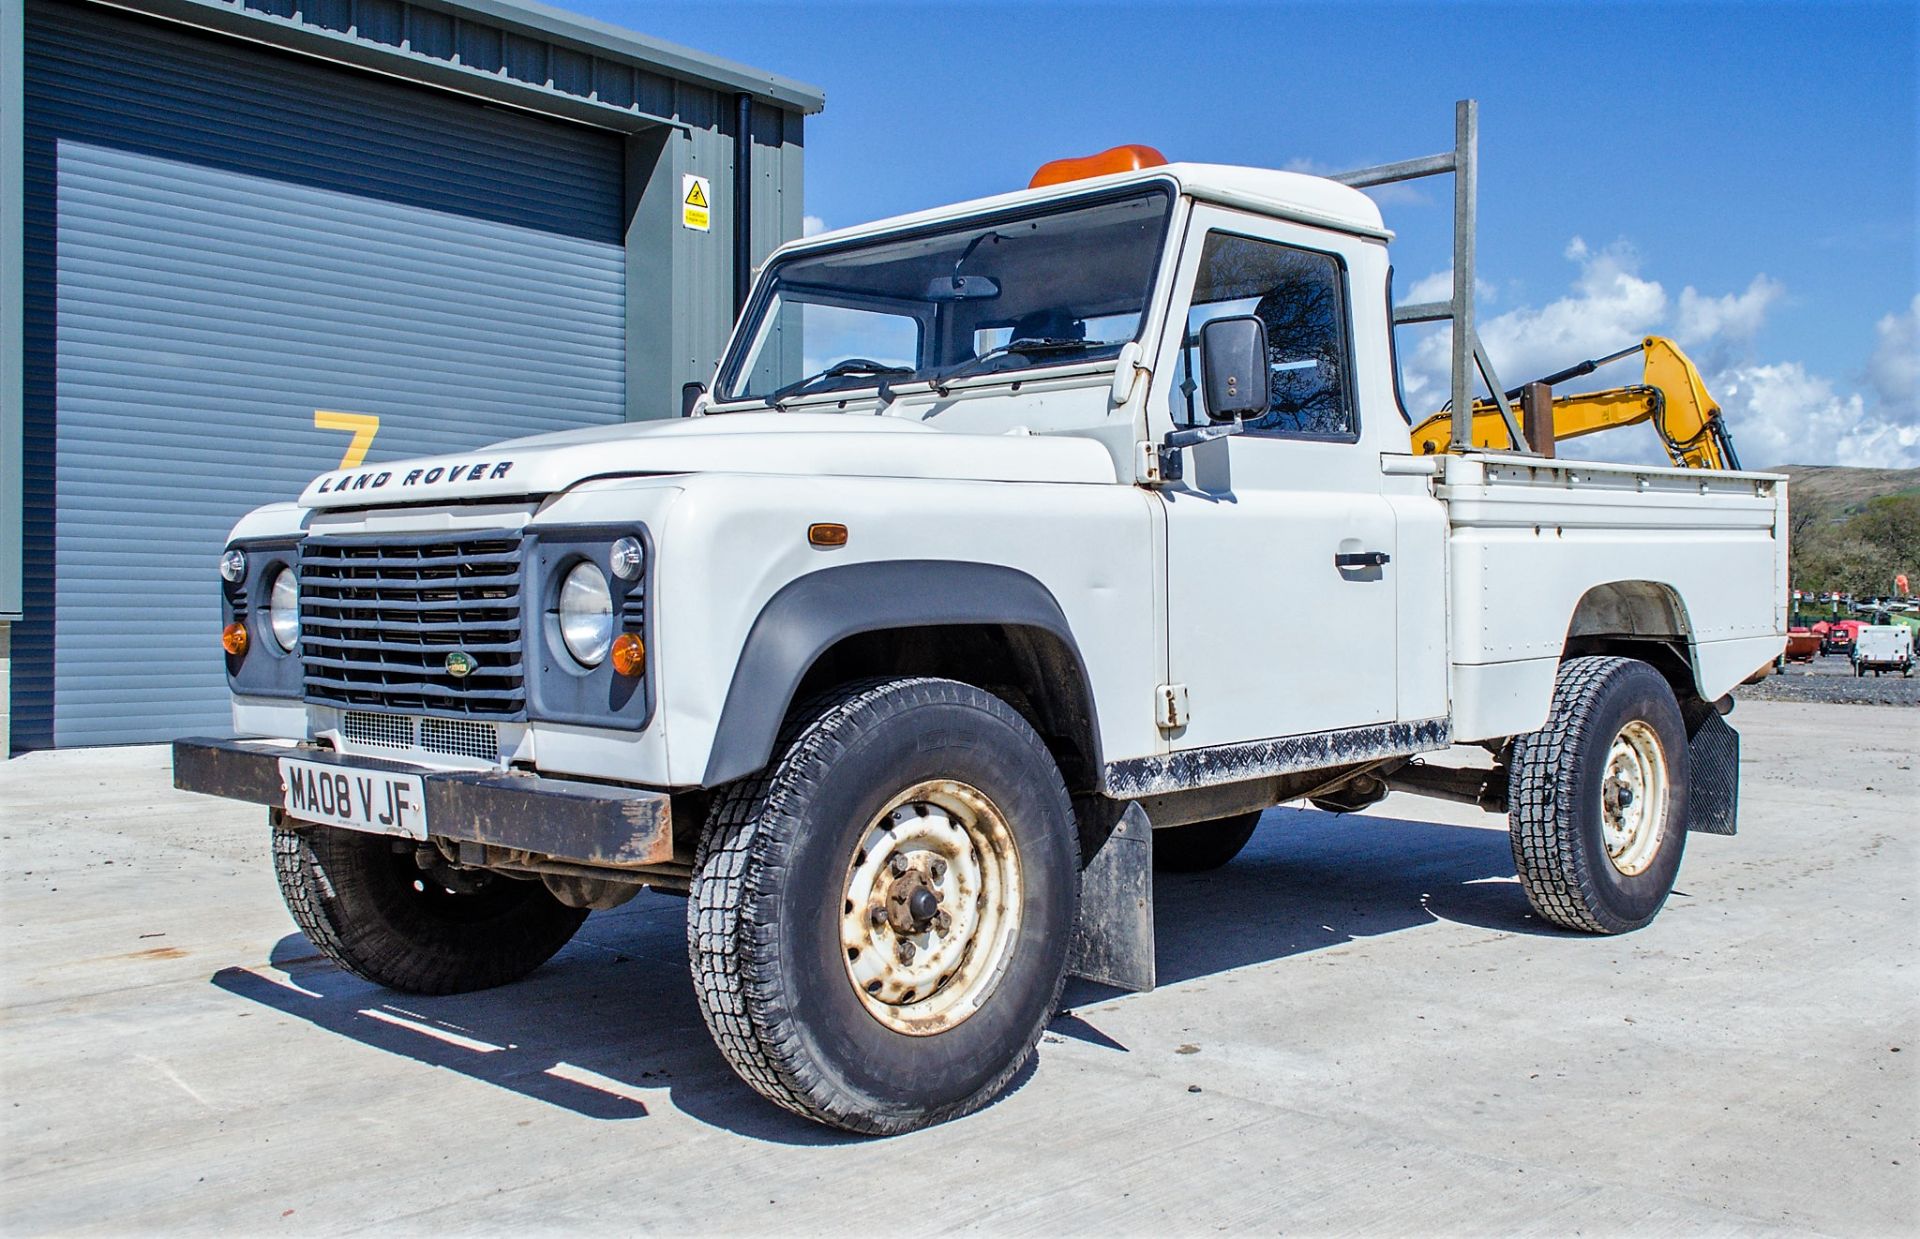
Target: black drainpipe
x: 742, y: 200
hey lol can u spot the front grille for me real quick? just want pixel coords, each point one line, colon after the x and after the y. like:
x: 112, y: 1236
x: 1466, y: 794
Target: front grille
x: 379, y: 618
x: 456, y: 737
x: 451, y: 737
x: 391, y: 731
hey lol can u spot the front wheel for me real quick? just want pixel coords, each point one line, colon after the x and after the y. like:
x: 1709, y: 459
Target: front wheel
x: 366, y: 904
x: 1598, y: 798
x: 879, y: 921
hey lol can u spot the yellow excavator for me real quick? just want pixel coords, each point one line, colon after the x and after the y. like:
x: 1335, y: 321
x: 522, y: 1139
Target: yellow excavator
x: 1670, y: 396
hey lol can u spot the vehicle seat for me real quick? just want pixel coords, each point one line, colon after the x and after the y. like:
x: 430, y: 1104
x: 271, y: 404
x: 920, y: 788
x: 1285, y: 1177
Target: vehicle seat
x: 1049, y: 325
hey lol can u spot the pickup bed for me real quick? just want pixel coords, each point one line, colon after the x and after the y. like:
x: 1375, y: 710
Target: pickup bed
x: 1016, y: 548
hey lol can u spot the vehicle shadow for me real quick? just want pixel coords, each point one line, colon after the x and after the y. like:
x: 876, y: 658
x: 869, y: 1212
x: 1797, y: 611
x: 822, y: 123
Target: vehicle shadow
x: 1313, y: 881
x: 609, y: 1027
x: 1310, y: 880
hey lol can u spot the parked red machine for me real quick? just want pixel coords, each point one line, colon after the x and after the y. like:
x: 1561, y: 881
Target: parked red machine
x: 1840, y: 637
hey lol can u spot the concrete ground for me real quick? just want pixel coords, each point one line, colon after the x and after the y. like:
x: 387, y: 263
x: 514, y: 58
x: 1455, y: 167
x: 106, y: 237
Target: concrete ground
x: 1360, y: 1029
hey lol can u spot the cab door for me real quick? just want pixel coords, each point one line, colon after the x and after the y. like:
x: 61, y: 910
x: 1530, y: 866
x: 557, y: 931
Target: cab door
x: 1280, y: 542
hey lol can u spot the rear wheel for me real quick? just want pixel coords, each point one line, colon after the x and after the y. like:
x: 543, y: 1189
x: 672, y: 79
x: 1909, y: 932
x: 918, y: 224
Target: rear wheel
x: 1597, y: 798
x: 879, y: 921
x: 365, y: 903
x: 1203, y: 845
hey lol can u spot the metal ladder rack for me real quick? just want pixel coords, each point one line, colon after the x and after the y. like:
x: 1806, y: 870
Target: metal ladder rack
x: 1467, y: 354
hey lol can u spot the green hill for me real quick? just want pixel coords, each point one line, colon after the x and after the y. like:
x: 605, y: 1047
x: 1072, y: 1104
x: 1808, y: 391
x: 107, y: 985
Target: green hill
x: 1841, y: 490
x: 1853, y: 530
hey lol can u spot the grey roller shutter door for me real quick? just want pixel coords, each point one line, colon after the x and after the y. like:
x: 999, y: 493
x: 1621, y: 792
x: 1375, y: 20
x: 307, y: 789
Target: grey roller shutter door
x: 233, y: 239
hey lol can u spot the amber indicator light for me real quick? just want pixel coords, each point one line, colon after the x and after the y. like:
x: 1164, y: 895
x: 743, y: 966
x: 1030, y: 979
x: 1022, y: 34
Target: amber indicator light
x: 233, y: 639
x: 629, y: 654
x: 827, y: 535
x: 1129, y: 158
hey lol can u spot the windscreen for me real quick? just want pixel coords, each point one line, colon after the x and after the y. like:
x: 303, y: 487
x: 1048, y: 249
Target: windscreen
x: 1054, y: 286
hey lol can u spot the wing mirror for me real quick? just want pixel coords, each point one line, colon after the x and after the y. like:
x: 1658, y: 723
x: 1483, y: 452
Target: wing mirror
x: 1235, y: 373
x: 1234, y: 368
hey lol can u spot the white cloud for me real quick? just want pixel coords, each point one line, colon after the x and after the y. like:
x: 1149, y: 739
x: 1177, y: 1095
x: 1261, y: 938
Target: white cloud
x: 1782, y: 414
x: 1610, y: 307
x: 1779, y: 412
x: 1396, y: 193
x: 1733, y: 318
x: 1439, y: 287
x: 1894, y: 368
x: 812, y: 225
x: 1785, y: 414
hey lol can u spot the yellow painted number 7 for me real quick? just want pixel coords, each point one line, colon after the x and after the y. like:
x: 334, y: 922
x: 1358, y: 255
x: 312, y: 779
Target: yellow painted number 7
x: 362, y: 426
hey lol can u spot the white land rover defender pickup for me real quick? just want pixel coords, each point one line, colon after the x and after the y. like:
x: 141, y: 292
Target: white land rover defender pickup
x: 971, y: 589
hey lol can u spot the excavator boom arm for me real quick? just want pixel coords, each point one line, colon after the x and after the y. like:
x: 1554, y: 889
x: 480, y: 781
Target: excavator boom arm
x: 1672, y: 397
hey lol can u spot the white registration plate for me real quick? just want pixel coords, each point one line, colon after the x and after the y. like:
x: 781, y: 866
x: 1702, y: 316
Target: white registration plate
x: 374, y: 800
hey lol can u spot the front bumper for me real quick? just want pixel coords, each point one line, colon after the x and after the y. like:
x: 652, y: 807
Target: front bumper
x: 586, y: 823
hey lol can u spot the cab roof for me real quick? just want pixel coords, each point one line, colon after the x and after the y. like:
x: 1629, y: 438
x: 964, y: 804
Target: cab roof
x: 1313, y: 200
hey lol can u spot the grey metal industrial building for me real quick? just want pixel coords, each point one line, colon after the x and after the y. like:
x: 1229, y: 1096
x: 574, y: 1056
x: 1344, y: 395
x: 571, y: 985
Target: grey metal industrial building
x: 226, y: 223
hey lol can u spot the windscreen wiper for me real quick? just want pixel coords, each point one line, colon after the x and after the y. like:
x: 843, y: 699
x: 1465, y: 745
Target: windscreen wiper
x: 852, y: 366
x: 1040, y: 346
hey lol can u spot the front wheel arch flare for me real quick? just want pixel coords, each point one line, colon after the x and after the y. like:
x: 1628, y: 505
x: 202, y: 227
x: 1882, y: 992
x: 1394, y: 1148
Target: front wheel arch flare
x: 811, y: 614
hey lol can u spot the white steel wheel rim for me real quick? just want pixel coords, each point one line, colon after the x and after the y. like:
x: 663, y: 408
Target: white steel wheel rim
x: 923, y: 975
x: 1633, y: 798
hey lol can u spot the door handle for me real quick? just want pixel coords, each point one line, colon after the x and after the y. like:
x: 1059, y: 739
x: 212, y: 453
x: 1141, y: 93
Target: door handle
x: 1363, y: 559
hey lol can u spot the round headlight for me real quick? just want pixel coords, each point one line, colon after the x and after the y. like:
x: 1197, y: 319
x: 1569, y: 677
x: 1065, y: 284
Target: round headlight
x: 586, y: 614
x: 283, y: 609
x: 233, y: 565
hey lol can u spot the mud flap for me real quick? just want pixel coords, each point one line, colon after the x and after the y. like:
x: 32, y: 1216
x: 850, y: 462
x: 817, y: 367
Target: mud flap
x: 1113, y: 940
x: 1713, y: 792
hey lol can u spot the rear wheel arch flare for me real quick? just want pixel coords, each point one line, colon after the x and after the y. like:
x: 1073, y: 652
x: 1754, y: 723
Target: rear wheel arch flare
x: 1638, y: 619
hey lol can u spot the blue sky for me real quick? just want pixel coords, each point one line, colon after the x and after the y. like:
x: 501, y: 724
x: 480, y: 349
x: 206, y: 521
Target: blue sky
x: 1743, y: 175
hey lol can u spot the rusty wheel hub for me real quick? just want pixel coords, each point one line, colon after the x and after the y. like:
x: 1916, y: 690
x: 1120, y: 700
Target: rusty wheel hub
x: 1633, y: 798
x: 932, y: 907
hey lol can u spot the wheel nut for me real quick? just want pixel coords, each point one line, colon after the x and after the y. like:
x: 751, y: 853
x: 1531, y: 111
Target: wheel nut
x: 906, y: 952
x: 942, y: 923
x: 898, y: 864
x: 877, y: 915
x: 937, y: 868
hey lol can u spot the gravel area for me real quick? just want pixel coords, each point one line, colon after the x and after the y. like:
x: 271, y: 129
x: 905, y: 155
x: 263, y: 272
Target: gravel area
x: 1830, y: 679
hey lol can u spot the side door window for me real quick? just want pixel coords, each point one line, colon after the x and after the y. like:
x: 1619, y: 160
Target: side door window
x: 1301, y: 296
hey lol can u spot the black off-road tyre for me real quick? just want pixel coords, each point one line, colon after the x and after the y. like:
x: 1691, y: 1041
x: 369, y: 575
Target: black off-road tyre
x: 770, y: 886
x: 1202, y: 846
x: 1555, y: 805
x: 369, y: 908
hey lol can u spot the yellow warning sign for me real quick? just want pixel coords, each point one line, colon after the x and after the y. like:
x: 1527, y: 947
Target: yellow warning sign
x: 696, y: 203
